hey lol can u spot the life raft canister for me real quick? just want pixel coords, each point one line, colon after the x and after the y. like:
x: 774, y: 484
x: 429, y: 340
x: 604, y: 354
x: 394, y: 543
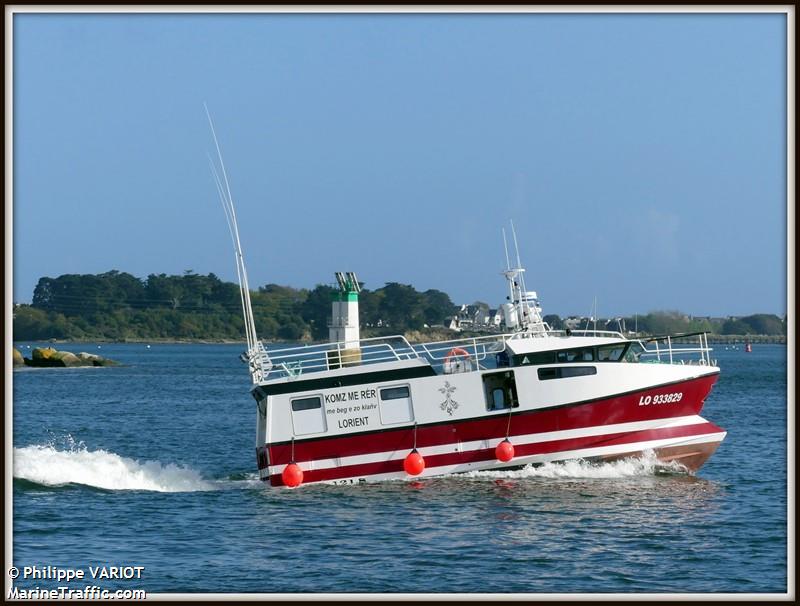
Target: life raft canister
x: 456, y: 360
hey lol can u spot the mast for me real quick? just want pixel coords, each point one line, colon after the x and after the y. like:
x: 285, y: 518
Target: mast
x: 256, y: 355
x: 522, y: 292
x: 523, y: 313
x: 512, y: 310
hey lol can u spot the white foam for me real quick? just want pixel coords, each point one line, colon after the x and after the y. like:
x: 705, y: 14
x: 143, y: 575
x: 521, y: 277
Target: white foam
x: 44, y: 464
x: 251, y: 481
x: 645, y: 465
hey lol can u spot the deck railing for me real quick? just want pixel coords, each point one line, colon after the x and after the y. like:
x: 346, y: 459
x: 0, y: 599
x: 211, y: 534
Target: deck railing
x: 682, y: 348
x: 294, y: 361
x: 586, y: 333
x: 460, y: 355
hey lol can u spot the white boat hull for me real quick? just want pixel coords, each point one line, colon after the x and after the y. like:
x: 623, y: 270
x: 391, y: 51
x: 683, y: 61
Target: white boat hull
x: 607, y: 428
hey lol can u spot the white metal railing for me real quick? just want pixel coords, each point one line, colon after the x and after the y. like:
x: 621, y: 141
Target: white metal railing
x: 613, y: 334
x: 458, y: 355
x: 298, y: 360
x: 665, y: 350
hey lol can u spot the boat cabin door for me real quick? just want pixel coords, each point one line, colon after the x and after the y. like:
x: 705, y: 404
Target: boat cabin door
x: 500, y: 390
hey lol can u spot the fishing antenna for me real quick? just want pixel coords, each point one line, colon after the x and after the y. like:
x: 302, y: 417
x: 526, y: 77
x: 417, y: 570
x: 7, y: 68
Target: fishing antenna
x: 516, y: 247
x: 524, y: 309
x: 505, y: 247
x: 256, y: 354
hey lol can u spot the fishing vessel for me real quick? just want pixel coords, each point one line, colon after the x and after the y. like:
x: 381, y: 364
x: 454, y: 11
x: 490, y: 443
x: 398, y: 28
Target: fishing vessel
x: 358, y: 410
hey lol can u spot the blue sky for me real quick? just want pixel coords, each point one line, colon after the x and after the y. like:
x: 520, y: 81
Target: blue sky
x: 642, y: 158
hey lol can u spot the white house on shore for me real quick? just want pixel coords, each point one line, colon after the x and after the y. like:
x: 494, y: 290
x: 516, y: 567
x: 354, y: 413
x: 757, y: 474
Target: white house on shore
x: 476, y: 317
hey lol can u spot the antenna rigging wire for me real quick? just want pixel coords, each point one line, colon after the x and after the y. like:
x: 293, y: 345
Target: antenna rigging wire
x: 226, y: 198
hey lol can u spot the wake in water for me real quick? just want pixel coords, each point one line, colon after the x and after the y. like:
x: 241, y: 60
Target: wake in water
x: 63, y: 461
x: 642, y: 466
x: 73, y: 463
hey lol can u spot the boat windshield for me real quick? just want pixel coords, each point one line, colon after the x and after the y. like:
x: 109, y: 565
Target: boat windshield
x: 610, y: 353
x: 633, y: 352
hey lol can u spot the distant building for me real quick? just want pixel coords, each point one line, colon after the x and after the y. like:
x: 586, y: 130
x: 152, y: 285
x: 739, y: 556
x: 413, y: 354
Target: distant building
x: 474, y: 318
x: 574, y: 322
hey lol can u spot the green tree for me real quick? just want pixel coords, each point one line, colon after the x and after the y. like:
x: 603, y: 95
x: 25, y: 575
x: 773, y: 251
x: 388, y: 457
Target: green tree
x: 663, y: 323
x: 163, y: 291
x: 31, y: 324
x: 554, y: 321
x: 436, y: 306
x: 369, y: 305
x: 316, y: 310
x: 401, y: 307
x: 736, y: 327
x: 765, y: 324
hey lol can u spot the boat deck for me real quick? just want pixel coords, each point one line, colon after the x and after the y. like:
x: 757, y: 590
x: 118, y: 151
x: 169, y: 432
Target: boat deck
x: 466, y: 354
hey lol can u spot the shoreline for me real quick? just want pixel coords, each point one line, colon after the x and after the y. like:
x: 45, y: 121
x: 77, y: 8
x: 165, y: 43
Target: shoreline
x: 412, y: 338
x: 159, y: 341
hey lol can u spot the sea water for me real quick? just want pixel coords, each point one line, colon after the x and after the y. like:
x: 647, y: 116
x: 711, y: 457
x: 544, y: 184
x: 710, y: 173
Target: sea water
x: 152, y: 464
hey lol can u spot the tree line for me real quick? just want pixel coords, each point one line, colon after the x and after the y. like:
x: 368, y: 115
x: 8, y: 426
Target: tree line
x: 675, y: 322
x: 118, y: 306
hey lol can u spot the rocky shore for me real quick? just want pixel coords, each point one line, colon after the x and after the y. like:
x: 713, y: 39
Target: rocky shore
x: 48, y: 357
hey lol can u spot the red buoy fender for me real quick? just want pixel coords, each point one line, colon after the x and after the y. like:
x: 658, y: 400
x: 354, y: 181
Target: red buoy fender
x: 414, y: 464
x: 504, y: 451
x: 292, y: 475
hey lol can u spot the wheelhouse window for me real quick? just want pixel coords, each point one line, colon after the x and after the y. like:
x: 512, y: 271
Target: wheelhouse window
x: 634, y: 351
x: 536, y: 358
x: 613, y: 352
x: 582, y: 354
x: 308, y: 415
x: 565, y: 372
x: 610, y: 353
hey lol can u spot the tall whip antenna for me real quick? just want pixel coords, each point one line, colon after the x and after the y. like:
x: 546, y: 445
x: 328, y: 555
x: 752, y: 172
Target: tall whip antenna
x: 516, y: 247
x: 256, y: 354
x: 524, y: 309
x: 505, y: 247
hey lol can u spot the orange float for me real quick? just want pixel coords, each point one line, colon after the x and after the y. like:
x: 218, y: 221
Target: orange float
x: 504, y: 451
x: 414, y: 464
x: 292, y: 475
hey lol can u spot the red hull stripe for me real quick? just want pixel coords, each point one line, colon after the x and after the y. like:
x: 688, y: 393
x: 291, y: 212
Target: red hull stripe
x: 521, y: 450
x: 614, y: 439
x: 610, y: 411
x: 516, y: 412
